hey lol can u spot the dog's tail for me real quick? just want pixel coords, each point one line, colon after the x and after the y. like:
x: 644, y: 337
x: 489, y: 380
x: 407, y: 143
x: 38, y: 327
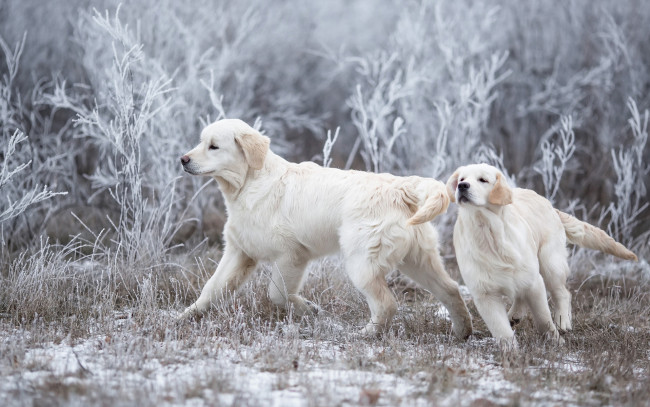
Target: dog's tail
x: 591, y: 237
x: 432, y: 201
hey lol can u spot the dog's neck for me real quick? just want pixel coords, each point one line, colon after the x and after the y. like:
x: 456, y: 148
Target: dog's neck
x: 233, y: 184
x: 482, y: 215
x: 230, y: 184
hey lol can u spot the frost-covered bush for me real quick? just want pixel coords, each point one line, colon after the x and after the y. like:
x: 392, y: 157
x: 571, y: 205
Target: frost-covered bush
x: 29, y: 166
x: 555, y: 157
x: 632, y: 168
x: 422, y: 102
x: 135, y: 165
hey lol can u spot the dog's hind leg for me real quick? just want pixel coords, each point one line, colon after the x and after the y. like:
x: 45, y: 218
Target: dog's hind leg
x: 555, y: 270
x: 286, y: 281
x: 536, y: 300
x: 426, y: 268
x: 370, y: 279
x: 233, y: 270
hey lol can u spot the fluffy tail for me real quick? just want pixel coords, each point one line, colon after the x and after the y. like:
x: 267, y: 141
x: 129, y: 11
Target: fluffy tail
x: 433, y: 201
x: 591, y: 237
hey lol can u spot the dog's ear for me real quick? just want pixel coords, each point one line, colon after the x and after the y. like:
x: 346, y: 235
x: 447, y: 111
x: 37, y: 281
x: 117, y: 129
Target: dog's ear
x: 452, y: 183
x: 255, y: 147
x: 501, y: 193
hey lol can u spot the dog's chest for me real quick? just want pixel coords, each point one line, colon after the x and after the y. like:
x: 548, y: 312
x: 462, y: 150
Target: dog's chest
x: 492, y: 254
x: 488, y: 241
x: 256, y: 239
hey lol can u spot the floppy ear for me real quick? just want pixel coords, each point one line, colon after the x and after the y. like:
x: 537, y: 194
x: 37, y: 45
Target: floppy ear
x: 452, y: 183
x: 501, y: 193
x: 255, y: 147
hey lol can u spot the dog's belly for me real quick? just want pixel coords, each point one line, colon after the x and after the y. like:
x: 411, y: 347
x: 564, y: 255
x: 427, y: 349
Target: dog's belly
x: 269, y: 242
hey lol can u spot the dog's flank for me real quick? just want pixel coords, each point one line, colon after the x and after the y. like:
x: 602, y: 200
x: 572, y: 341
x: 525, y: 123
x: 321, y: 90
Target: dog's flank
x: 585, y: 235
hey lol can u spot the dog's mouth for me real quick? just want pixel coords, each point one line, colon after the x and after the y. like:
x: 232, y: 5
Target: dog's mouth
x: 188, y: 170
x: 192, y: 171
x: 462, y: 198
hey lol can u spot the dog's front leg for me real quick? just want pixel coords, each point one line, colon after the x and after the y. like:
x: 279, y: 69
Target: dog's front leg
x: 233, y: 270
x: 493, y: 312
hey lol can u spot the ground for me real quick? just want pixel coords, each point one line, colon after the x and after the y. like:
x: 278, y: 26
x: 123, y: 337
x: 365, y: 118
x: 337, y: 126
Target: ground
x: 246, y: 352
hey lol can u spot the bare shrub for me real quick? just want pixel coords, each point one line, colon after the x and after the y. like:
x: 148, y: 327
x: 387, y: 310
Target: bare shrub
x: 24, y: 172
x: 134, y: 166
x: 555, y: 158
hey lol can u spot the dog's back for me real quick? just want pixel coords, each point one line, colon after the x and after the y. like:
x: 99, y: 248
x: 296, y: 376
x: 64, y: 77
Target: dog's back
x: 540, y: 216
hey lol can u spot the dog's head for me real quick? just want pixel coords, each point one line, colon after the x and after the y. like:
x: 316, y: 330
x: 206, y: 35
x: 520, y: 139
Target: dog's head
x: 227, y: 147
x: 479, y: 185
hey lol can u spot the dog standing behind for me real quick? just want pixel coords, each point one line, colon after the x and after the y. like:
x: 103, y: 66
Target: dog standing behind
x: 288, y: 214
x: 512, y: 242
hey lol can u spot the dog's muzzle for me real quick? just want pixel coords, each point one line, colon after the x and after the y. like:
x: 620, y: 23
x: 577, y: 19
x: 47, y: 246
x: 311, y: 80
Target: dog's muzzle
x: 187, y: 167
x: 463, y: 192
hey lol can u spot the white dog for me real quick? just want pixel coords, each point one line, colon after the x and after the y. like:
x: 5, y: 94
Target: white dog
x: 511, y: 242
x: 289, y: 213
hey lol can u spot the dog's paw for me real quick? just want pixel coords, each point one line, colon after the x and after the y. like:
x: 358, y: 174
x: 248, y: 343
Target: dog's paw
x: 559, y: 340
x: 508, y: 344
x: 371, y: 330
x: 554, y: 337
x: 303, y: 307
x: 462, y: 331
x: 189, y: 314
x: 313, y: 308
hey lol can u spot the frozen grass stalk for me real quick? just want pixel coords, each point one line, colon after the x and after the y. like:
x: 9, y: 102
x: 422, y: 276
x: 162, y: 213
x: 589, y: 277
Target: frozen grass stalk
x: 555, y: 158
x: 327, y: 147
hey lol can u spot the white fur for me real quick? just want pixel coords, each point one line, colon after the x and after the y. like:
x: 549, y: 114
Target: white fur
x: 515, y: 248
x: 288, y: 214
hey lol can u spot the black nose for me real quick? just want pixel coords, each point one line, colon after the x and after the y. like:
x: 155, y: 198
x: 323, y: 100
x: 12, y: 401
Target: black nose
x: 185, y: 159
x: 463, y: 186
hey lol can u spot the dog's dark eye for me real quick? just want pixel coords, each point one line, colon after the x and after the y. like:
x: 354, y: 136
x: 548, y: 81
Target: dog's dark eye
x: 483, y: 180
x: 213, y: 147
x: 462, y: 179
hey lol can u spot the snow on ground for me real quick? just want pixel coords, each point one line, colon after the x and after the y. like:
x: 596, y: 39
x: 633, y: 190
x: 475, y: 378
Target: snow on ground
x: 219, y: 374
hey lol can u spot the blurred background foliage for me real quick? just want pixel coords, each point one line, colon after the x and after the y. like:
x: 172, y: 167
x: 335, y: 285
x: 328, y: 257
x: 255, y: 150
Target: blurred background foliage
x: 99, y: 99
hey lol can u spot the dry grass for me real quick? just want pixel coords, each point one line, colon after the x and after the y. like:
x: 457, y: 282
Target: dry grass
x: 248, y: 352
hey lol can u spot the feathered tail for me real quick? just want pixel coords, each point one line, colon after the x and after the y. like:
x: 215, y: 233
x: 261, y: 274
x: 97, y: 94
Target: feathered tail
x: 432, y: 201
x: 591, y: 237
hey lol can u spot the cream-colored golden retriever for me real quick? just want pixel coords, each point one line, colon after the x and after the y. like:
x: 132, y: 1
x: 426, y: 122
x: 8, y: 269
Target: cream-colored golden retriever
x: 512, y: 242
x: 288, y: 214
